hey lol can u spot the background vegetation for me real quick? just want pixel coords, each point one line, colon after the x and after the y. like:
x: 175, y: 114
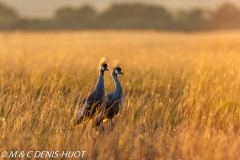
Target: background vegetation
x: 181, y: 93
x: 127, y: 16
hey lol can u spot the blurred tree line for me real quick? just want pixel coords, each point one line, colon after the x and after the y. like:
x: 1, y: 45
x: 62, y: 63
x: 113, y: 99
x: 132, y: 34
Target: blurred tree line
x: 126, y: 16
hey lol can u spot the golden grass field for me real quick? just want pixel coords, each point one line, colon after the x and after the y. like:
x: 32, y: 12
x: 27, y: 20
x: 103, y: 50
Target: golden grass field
x: 181, y: 93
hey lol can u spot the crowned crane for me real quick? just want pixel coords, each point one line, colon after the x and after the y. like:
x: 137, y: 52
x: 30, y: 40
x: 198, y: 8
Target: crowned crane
x: 96, y: 98
x: 113, y: 103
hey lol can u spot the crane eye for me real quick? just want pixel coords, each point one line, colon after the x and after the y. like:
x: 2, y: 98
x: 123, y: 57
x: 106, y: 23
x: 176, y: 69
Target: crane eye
x: 102, y: 68
x: 116, y: 71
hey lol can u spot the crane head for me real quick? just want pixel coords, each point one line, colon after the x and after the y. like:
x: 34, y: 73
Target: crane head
x: 118, y: 71
x: 104, y: 67
x: 103, y: 62
x: 116, y: 68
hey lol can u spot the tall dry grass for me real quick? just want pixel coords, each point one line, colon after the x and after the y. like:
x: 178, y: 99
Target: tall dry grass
x: 181, y: 96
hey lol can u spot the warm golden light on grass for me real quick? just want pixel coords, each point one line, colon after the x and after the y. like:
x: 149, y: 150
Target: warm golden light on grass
x: 181, y: 93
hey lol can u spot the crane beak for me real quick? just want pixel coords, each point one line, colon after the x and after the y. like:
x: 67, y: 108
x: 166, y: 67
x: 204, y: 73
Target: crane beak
x: 120, y: 72
x: 106, y: 69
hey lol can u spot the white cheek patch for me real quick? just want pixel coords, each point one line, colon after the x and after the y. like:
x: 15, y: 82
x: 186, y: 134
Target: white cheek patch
x: 116, y: 71
x: 102, y: 68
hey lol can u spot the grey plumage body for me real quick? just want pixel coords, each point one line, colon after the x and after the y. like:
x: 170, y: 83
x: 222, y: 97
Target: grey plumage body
x: 113, y: 103
x: 93, y: 101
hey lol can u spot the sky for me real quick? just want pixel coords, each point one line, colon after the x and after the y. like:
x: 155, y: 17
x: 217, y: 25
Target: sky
x: 46, y: 8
